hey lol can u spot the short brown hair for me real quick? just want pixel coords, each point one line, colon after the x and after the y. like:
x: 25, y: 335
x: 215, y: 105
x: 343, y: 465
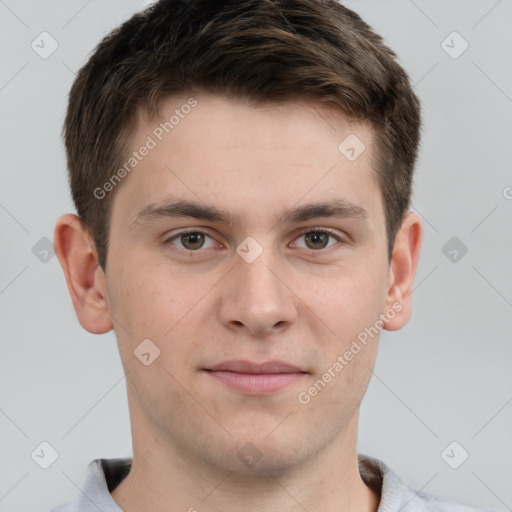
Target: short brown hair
x: 260, y: 51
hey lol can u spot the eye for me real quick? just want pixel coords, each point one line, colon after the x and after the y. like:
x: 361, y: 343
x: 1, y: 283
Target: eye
x: 318, y: 239
x: 191, y: 240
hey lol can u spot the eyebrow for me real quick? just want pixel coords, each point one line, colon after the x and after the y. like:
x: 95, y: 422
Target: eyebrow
x: 339, y: 208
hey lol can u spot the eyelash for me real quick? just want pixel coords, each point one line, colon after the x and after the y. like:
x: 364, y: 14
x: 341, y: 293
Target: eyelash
x: 302, y: 233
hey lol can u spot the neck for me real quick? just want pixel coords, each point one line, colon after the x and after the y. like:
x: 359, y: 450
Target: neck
x: 166, y: 478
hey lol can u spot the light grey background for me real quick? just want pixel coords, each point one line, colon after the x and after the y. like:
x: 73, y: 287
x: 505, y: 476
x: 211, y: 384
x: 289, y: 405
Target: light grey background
x: 445, y: 377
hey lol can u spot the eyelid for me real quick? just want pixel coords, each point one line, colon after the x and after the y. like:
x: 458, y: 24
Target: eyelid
x: 319, y: 228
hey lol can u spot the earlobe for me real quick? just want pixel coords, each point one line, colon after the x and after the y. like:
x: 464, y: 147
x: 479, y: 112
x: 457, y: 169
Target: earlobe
x: 404, y: 263
x: 84, y: 277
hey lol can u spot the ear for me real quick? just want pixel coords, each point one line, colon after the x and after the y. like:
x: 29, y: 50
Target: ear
x: 404, y: 261
x: 85, y: 278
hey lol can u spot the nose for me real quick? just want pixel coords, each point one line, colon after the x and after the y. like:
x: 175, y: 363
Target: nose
x: 256, y: 297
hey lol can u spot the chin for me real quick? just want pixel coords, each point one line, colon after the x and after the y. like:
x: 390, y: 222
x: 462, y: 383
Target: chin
x: 268, y: 465
x: 261, y: 457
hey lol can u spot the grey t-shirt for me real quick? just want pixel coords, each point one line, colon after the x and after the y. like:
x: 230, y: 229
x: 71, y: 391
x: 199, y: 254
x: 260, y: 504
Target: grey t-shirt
x: 103, y: 475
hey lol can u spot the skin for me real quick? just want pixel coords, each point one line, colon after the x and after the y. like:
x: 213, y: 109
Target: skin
x: 301, y: 301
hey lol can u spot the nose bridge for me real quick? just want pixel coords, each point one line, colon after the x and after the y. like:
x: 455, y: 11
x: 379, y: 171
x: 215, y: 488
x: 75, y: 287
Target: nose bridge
x: 256, y: 271
x: 259, y: 276
x: 257, y: 296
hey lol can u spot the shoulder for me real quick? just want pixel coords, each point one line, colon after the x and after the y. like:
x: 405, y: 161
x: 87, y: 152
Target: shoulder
x: 66, y: 507
x: 94, y: 495
x: 430, y: 503
x: 395, y: 496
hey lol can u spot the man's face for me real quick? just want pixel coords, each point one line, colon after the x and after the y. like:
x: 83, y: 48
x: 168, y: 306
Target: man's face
x: 298, y: 291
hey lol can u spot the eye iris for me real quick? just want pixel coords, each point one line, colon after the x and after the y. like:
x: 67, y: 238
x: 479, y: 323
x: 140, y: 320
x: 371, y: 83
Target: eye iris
x: 316, y: 236
x: 196, y: 240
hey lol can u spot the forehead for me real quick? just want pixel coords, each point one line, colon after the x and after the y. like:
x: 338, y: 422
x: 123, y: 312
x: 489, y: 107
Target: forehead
x: 219, y: 151
x: 294, y: 117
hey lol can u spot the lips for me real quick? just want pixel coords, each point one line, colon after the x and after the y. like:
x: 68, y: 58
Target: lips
x: 256, y: 368
x: 256, y: 378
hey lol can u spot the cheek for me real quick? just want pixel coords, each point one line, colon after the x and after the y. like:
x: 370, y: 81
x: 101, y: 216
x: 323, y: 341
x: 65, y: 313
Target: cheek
x: 162, y: 306
x: 350, y: 308
x: 348, y: 301
x: 141, y: 295
x: 139, y: 310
